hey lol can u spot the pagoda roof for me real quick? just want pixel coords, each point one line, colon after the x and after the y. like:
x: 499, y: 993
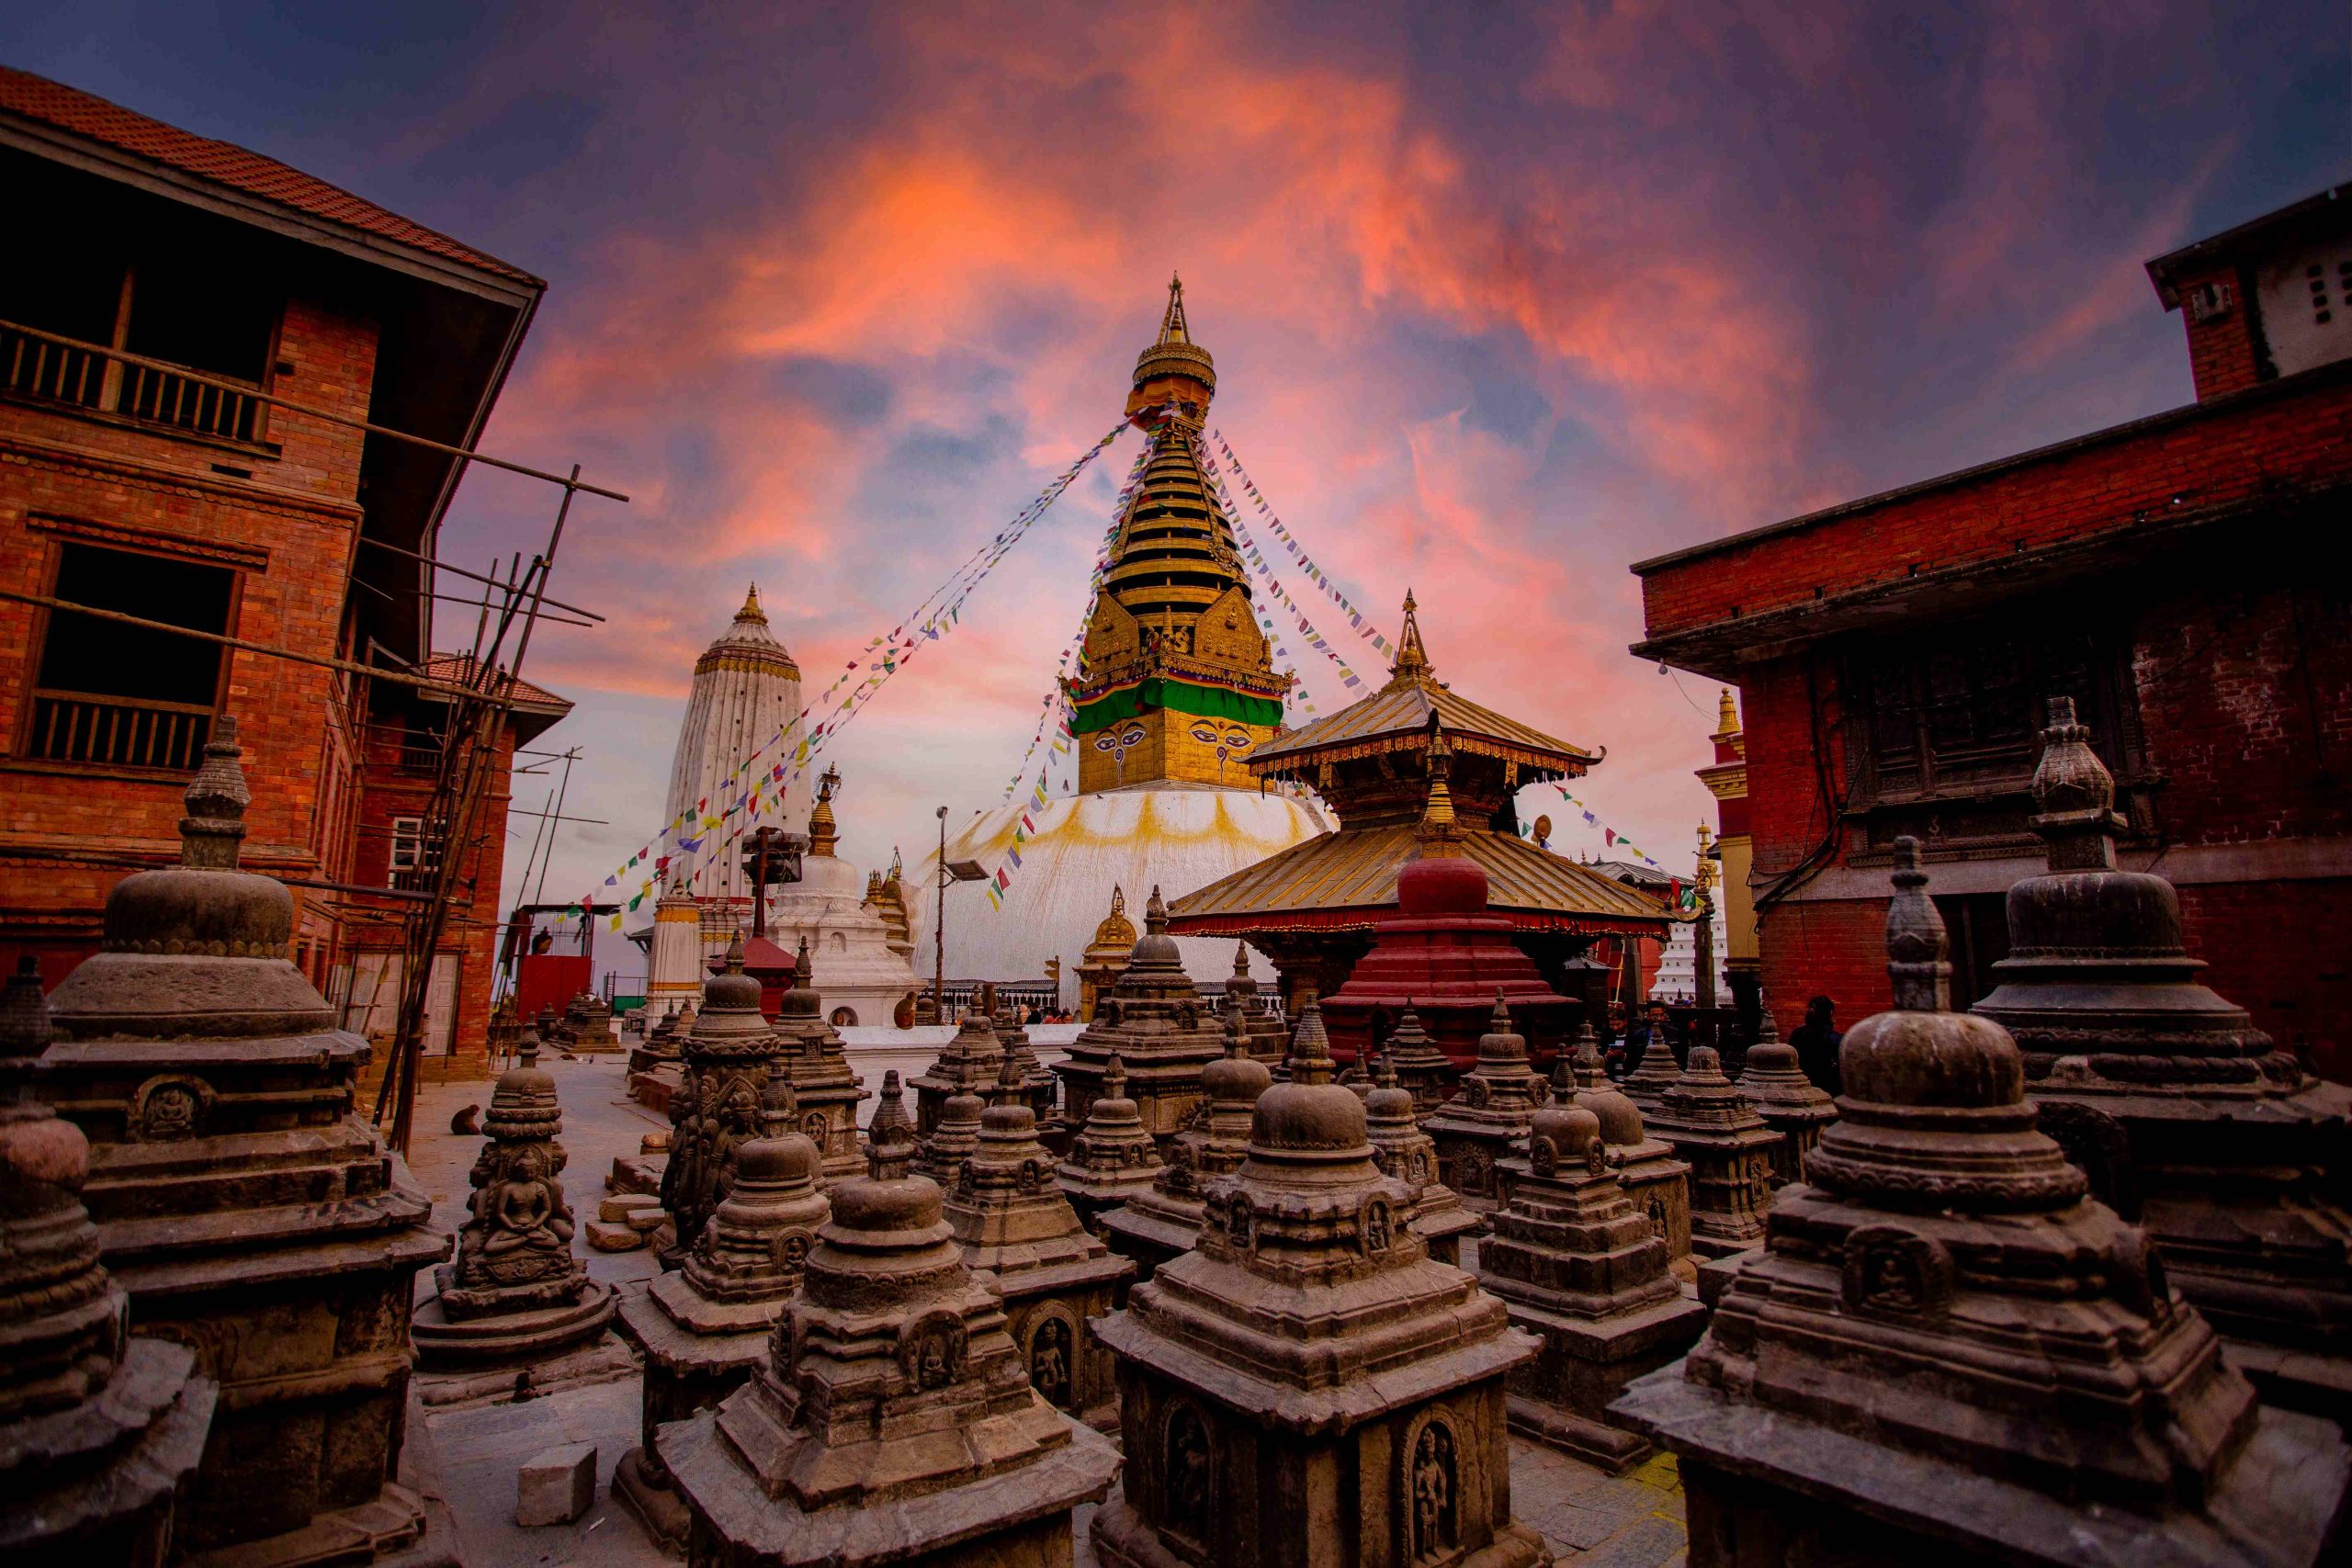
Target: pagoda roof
x: 1341, y: 880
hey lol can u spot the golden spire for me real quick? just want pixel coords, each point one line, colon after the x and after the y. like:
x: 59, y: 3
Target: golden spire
x: 1438, y: 832
x: 1172, y: 328
x: 1412, y: 666
x: 1726, y: 717
x: 821, y: 836
x: 751, y: 610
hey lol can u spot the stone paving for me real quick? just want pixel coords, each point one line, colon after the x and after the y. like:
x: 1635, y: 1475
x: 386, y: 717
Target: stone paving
x: 1591, y: 1520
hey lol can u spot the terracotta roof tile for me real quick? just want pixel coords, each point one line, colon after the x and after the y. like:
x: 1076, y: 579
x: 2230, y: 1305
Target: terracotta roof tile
x: 32, y: 97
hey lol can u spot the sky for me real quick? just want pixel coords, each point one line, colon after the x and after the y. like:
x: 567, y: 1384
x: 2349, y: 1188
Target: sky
x: 1502, y: 300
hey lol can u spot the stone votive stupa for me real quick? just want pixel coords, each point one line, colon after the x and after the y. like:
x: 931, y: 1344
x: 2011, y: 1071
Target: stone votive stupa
x: 1268, y: 1040
x: 954, y: 1139
x: 1307, y: 1386
x: 1155, y: 1225
x: 2184, y: 1116
x: 1647, y: 1084
x: 1776, y: 1088
x: 703, y: 1328
x: 588, y: 1025
x: 515, y: 1293
x: 1155, y: 1022
x: 1654, y: 1179
x: 727, y: 1058
x: 894, y: 1421
x: 1038, y: 1086
x: 1729, y: 1150
x: 1420, y: 1067
x: 1401, y: 1149
x: 890, y: 1111
x: 232, y: 1184
x: 99, y: 1427
x: 970, y: 1062
x: 1111, y: 1160
x: 1580, y: 1267
x: 809, y: 1051
x: 1055, y: 1276
x: 1947, y: 1353
x: 1490, y: 1113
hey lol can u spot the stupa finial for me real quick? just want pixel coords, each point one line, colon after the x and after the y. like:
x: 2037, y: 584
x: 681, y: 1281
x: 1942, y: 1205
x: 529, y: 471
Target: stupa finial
x: 216, y: 799
x: 1310, y: 1047
x: 751, y: 610
x: 1154, y: 914
x: 1917, y: 947
x: 1439, y: 833
x: 2074, y: 796
x: 822, y: 834
x: 1412, y: 666
x: 735, y: 952
x: 1172, y: 326
x: 1727, y: 715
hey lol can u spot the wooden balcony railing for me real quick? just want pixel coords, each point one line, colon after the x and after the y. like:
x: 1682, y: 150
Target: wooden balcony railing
x: 33, y: 367
x: 119, y: 732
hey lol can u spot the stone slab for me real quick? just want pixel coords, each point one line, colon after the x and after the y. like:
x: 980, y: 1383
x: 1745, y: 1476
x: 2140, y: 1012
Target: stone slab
x: 617, y: 1209
x: 605, y: 1235
x: 555, y: 1485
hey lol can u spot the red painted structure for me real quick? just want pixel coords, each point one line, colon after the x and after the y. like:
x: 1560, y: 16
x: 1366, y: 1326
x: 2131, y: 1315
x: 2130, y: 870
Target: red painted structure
x: 1893, y: 655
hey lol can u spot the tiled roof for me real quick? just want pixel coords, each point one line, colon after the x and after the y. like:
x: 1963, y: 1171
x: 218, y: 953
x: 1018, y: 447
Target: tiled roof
x: 1339, y: 879
x: 457, y: 669
x: 32, y: 97
x: 1403, y: 711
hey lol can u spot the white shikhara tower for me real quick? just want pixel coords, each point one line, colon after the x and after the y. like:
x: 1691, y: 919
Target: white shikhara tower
x: 746, y: 689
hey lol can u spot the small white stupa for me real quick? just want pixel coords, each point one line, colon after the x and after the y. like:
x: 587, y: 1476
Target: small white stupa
x: 837, y: 909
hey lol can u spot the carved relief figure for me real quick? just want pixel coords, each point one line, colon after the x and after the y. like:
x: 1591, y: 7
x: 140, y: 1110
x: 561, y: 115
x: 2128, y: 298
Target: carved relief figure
x: 1434, y: 1529
x: 1187, y: 1470
x: 1049, y: 1358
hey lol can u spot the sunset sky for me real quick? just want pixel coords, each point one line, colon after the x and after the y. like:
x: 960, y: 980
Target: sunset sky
x: 1498, y: 304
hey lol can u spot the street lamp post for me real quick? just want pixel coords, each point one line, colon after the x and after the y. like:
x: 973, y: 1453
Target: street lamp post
x: 950, y: 873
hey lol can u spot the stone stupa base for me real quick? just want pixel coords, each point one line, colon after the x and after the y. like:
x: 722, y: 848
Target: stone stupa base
x: 508, y: 1340
x: 689, y: 1366
x: 1560, y: 1399
x: 1149, y: 1232
x: 1763, y: 1485
x: 1706, y: 1248
x: 395, y: 1530
x: 98, y: 1477
x: 2307, y: 1381
x: 653, y: 1502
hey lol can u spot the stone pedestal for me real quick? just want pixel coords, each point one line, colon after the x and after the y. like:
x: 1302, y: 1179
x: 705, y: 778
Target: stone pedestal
x: 2185, y: 1116
x: 1163, y: 1222
x: 809, y: 1051
x: 969, y: 1064
x: 894, y: 1422
x: 1776, y: 1088
x: 1307, y: 1386
x: 587, y: 1028
x: 1055, y: 1276
x: 1884, y: 1382
x: 1729, y: 1150
x: 1402, y: 1150
x: 98, y: 1429
x: 1578, y: 1267
x: 1156, y: 1023
x: 1488, y: 1115
x: 515, y: 1293
x: 1111, y: 1160
x: 242, y: 1206
x: 703, y: 1329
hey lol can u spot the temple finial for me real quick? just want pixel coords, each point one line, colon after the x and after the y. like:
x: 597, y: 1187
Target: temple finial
x: 751, y: 610
x: 735, y: 953
x: 1726, y: 715
x: 1917, y: 947
x: 216, y: 801
x: 1413, y: 664
x: 1172, y: 326
x: 2074, y: 796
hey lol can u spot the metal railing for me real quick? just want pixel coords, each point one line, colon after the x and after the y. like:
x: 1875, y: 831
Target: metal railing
x: 121, y: 732
x: 202, y: 404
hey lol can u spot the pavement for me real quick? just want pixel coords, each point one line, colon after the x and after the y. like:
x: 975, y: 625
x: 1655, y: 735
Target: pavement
x: 1591, y: 1520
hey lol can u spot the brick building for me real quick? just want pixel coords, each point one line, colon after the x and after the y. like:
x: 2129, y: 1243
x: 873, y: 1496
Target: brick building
x: 128, y: 486
x: 1893, y: 655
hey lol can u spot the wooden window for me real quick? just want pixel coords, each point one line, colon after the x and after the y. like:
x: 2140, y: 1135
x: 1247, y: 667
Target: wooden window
x: 415, y: 857
x: 112, y: 696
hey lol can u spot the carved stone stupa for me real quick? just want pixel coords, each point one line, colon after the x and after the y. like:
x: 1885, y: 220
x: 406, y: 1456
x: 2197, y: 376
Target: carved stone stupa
x: 1111, y: 1160
x: 1155, y: 1022
x: 1055, y: 1276
x: 894, y: 1421
x: 1401, y: 1149
x: 1730, y: 1151
x: 1654, y: 1179
x: 703, y: 1327
x: 717, y: 1104
x: 1946, y: 1353
x: 2184, y: 1116
x: 1268, y: 1040
x: 1420, y: 1067
x: 1163, y: 1222
x: 1776, y: 1088
x: 229, y: 1179
x: 826, y: 1092
x: 969, y: 1064
x: 516, y: 1291
x: 1307, y: 1386
x: 1579, y: 1266
x: 99, y: 1427
x: 1490, y: 1112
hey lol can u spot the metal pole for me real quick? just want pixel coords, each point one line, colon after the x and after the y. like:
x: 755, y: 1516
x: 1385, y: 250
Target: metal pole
x: 939, y: 931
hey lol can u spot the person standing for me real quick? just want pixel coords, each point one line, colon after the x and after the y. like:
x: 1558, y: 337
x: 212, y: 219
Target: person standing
x: 1816, y: 1040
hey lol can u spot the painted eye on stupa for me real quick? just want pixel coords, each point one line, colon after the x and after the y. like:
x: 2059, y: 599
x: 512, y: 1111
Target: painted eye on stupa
x: 1239, y: 739
x: 1205, y: 734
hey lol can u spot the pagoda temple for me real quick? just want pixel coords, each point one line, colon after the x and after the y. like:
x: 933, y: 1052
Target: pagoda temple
x: 1319, y: 906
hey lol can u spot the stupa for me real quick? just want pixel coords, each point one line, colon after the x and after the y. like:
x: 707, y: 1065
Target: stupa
x: 1268, y: 1039
x: 1306, y: 1386
x: 1055, y: 1276
x: 1947, y: 1353
x: 954, y: 1140
x: 746, y: 693
x: 1730, y: 1152
x: 515, y: 1293
x: 969, y: 1063
x: 1776, y: 1088
x: 1176, y: 689
x: 1038, y: 1086
x: 865, y: 979
x: 1157, y: 1024
x: 717, y: 1104
x: 809, y: 1051
x: 99, y: 1427
x: 889, y: 1110
x: 2186, y: 1117
x: 703, y: 1328
x: 674, y: 954
x: 1402, y: 1150
x: 1113, y: 1159
x: 216, y: 1094
x: 1579, y: 1266
x: 894, y: 1421
x: 1420, y: 1068
x: 1165, y: 1222
x: 1490, y: 1113
x: 1317, y: 909
x: 1653, y: 1179
x: 1105, y: 957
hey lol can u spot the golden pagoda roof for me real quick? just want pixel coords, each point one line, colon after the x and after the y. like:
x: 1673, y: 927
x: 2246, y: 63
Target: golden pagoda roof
x: 1343, y: 879
x: 1396, y: 718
